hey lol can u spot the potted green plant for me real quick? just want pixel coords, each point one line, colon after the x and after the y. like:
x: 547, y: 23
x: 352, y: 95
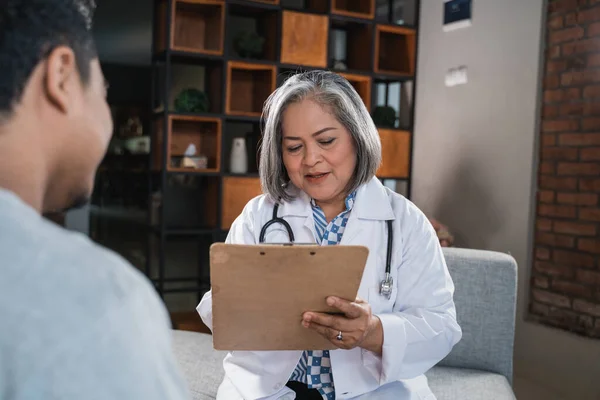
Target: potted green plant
x: 249, y: 44
x: 192, y: 101
x: 384, y: 116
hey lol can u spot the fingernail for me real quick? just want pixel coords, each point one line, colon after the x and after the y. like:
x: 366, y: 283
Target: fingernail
x: 331, y: 301
x: 305, y: 324
x: 307, y: 317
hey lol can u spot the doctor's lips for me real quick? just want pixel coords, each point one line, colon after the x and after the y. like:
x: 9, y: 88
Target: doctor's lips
x: 316, y: 177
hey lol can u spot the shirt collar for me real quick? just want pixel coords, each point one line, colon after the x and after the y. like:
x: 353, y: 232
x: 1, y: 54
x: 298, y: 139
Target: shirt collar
x: 349, y: 202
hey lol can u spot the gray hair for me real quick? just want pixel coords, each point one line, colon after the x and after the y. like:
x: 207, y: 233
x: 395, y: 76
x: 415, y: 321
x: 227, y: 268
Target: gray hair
x: 330, y: 90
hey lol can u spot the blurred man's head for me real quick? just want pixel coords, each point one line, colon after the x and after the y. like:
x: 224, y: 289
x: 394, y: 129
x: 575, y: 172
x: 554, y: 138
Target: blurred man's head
x: 55, y: 124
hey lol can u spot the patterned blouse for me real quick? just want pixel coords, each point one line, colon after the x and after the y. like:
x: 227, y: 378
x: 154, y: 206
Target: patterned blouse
x: 314, y: 368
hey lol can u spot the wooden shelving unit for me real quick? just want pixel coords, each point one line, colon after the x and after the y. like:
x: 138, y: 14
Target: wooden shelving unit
x: 196, y: 45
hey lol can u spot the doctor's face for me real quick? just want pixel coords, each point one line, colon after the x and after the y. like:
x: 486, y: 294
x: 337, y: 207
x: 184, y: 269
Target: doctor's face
x: 318, y: 151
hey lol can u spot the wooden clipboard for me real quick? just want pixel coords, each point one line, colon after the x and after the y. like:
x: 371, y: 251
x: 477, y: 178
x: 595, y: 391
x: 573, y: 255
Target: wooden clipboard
x: 259, y: 292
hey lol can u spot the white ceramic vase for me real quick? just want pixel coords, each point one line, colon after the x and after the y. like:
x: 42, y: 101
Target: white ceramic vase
x: 238, y: 161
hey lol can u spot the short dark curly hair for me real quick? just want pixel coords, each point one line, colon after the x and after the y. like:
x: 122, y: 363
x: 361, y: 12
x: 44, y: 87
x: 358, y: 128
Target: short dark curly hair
x: 30, y: 30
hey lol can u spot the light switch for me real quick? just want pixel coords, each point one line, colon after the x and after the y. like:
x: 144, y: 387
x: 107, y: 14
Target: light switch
x: 456, y: 76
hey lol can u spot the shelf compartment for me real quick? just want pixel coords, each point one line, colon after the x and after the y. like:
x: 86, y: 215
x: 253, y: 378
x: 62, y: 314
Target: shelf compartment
x: 395, y: 145
x: 247, y: 18
x: 250, y: 132
x: 397, y: 94
x: 351, y: 44
x: 396, y: 12
x: 304, y: 39
x: 202, y: 132
x: 354, y: 8
x: 362, y: 85
x: 248, y: 86
x: 312, y: 6
x: 237, y: 191
x: 395, y: 50
x: 197, y: 26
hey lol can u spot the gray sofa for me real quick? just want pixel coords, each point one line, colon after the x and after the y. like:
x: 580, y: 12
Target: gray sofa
x: 479, y: 366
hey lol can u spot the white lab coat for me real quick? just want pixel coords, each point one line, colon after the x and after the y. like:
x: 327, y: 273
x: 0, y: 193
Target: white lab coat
x: 419, y: 320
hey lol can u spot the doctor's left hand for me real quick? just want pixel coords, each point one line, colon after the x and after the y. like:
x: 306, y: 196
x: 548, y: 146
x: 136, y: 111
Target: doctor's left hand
x: 359, y: 327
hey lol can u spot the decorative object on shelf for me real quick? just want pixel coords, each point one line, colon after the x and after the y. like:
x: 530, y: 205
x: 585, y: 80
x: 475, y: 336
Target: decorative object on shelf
x: 340, y: 38
x: 192, y: 100
x: 132, y: 127
x: 339, y: 65
x: 191, y: 158
x: 384, y: 116
x: 239, y: 156
x: 137, y: 145
x: 445, y: 237
x: 249, y: 44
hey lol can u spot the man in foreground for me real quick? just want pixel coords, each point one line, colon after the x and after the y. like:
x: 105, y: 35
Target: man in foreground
x: 76, y: 321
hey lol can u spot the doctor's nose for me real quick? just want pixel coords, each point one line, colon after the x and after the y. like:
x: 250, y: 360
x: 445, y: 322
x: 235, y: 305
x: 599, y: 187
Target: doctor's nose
x: 312, y: 156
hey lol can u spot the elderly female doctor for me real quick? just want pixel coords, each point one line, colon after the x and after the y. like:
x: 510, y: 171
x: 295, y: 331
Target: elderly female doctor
x: 320, y: 152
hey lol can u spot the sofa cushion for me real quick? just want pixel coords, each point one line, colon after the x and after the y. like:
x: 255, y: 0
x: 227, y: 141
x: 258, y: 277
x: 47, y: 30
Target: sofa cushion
x: 201, y: 365
x: 449, y: 383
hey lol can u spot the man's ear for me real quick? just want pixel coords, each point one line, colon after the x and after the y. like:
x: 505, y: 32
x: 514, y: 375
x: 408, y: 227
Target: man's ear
x: 61, y: 78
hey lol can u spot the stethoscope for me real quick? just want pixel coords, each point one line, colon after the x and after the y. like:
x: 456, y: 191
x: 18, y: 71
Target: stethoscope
x: 386, y: 285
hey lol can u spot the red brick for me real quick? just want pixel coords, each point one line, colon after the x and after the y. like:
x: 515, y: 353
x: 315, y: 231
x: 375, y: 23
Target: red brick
x: 539, y: 309
x: 570, y: 288
x: 556, y: 211
x: 593, y: 60
x: 591, y: 15
x: 592, y: 29
x: 553, y: 240
x: 556, y: 22
x: 548, y: 139
x: 586, y: 307
x: 540, y: 282
x: 579, y: 77
x: 559, y: 154
x: 551, y: 81
x: 589, y: 245
x: 590, y: 154
x: 591, y: 278
x: 543, y: 224
x: 591, y: 91
x: 590, y: 108
x: 556, y: 66
x: 548, y: 268
x: 554, y: 95
x: 571, y: 109
x: 578, y: 199
x: 547, y: 168
x: 590, y: 124
x: 566, y: 35
x: 546, y: 196
x: 589, y: 214
x: 579, y: 139
x: 574, y: 228
x: 553, y: 52
x: 560, y: 125
x: 580, y: 47
x: 570, y: 19
x: 573, y: 259
x: 589, y: 185
x: 560, y: 6
x: 542, y: 253
x: 553, y: 183
x: 549, y: 111
x: 578, y: 169
x: 551, y: 298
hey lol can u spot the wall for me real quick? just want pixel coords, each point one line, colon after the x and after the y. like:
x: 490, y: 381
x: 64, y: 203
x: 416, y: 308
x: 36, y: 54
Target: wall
x: 566, y: 277
x: 475, y: 149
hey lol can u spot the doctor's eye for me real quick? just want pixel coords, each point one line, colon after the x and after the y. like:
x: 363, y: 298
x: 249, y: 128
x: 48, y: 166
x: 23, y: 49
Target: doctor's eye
x: 293, y: 149
x: 327, y: 141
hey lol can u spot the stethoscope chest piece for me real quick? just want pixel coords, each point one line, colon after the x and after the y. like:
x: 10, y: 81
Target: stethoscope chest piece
x: 386, y: 286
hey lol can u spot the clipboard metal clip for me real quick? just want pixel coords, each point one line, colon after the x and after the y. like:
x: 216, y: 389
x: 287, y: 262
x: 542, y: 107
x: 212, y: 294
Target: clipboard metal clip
x: 386, y: 286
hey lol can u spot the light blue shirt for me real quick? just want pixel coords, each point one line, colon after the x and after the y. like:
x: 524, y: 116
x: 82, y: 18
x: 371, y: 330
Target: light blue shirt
x: 77, y: 321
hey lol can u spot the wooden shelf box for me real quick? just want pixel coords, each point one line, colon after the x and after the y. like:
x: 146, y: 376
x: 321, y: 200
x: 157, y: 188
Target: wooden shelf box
x: 395, y: 50
x: 197, y: 26
x: 304, y: 39
x: 248, y: 17
x: 362, y: 85
x: 395, y: 154
x: 354, y: 8
x: 248, y: 86
x: 237, y: 191
x: 203, y: 132
x: 352, y: 42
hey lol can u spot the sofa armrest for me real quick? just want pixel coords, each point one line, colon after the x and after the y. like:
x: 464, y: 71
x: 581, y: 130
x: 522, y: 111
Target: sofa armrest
x: 485, y: 297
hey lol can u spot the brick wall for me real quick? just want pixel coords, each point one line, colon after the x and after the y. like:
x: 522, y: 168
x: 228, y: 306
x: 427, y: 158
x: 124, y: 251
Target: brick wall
x: 565, y: 280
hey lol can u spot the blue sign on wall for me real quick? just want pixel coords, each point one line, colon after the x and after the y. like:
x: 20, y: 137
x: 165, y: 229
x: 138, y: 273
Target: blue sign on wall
x: 457, y: 14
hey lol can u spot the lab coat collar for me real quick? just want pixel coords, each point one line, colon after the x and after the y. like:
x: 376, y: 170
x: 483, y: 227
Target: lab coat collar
x: 372, y: 202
